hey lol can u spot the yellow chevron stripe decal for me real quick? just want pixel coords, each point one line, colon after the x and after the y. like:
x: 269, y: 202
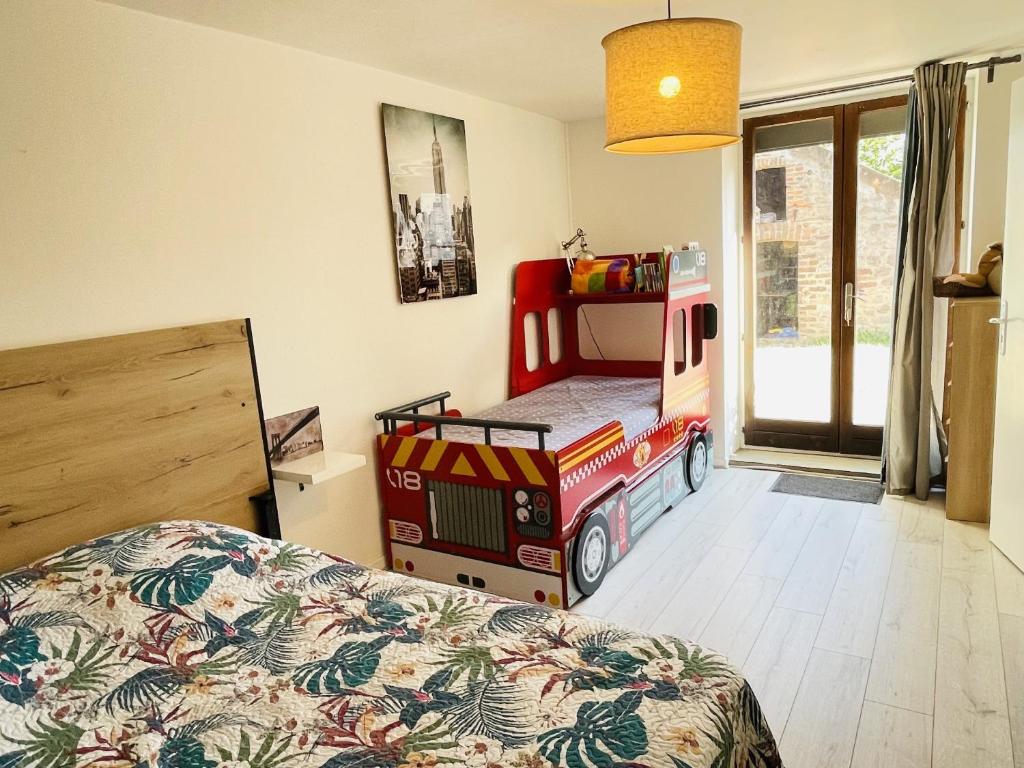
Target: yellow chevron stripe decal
x: 404, y: 451
x: 693, y: 389
x: 384, y: 439
x: 526, y: 464
x: 493, y: 465
x: 462, y: 467
x: 586, y: 447
x: 699, y: 384
x: 677, y: 402
x: 591, y: 453
x: 433, y: 457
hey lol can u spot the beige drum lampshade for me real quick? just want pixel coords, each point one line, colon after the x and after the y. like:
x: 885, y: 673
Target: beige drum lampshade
x: 672, y: 86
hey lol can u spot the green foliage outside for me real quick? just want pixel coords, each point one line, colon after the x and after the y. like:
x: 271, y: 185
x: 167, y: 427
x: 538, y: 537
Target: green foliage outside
x: 883, y: 154
x: 869, y: 336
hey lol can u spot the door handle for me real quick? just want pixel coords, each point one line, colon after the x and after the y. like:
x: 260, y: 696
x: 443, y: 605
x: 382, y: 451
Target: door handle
x: 1002, y: 321
x: 848, y: 297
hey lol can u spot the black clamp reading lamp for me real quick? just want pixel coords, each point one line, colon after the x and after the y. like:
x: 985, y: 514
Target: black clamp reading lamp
x: 584, y: 252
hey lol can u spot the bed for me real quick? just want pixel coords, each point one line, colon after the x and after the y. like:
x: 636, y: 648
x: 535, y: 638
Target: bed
x: 574, y: 407
x: 168, y: 630
x: 191, y: 645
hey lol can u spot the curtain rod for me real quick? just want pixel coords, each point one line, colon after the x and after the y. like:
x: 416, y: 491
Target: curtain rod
x: 989, y: 64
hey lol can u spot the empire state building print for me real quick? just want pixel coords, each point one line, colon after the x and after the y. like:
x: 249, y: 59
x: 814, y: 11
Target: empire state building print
x: 430, y: 204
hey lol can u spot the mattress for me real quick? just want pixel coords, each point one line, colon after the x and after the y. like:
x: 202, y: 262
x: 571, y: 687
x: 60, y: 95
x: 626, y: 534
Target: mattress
x: 575, y: 407
x: 192, y: 645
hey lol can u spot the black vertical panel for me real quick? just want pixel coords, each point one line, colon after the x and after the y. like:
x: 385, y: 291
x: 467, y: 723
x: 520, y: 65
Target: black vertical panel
x: 479, y: 515
x: 438, y: 506
x: 487, y: 504
x: 464, y: 532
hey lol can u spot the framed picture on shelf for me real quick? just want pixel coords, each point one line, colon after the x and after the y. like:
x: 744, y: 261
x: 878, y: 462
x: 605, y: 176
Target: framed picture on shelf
x: 294, y: 435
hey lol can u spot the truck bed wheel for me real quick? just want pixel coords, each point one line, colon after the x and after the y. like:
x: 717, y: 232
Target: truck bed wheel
x: 590, y: 555
x: 697, y: 461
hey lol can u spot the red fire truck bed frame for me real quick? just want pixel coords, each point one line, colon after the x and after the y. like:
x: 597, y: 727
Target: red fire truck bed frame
x: 546, y: 525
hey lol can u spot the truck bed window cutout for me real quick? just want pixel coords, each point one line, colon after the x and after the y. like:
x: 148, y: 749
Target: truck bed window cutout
x: 679, y: 340
x: 554, y: 335
x: 697, y: 330
x: 534, y: 344
x: 610, y: 332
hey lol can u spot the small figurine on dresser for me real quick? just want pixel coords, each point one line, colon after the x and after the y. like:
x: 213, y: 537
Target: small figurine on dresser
x: 986, y: 281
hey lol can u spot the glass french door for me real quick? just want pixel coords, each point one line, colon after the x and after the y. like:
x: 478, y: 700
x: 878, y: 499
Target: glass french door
x: 822, y: 201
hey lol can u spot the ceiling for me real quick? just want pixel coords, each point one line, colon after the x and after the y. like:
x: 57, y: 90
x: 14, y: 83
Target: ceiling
x: 545, y: 55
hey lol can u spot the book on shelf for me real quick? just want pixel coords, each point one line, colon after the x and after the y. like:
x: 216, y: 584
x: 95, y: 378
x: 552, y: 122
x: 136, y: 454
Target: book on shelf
x: 650, y: 277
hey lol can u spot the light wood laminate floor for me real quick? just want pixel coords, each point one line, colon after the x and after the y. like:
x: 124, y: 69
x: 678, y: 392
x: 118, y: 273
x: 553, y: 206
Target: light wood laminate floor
x: 875, y: 636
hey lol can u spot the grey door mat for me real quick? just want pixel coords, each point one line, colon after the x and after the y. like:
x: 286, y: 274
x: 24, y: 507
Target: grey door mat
x: 829, y: 488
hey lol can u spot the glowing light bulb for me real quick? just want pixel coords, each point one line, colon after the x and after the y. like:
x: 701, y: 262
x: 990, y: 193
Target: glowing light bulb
x: 669, y: 86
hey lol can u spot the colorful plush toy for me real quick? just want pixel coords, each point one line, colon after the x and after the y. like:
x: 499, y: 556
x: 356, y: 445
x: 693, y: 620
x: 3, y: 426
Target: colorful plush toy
x: 990, y: 260
x: 602, y: 276
x: 995, y: 278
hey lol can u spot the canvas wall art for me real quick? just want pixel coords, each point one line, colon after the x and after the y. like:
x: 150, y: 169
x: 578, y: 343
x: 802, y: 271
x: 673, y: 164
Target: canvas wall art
x: 430, y: 204
x: 294, y: 435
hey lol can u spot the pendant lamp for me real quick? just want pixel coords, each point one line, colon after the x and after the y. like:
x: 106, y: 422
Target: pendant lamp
x: 672, y: 86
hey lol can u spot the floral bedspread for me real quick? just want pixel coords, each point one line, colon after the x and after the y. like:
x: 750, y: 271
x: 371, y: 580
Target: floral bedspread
x: 193, y: 645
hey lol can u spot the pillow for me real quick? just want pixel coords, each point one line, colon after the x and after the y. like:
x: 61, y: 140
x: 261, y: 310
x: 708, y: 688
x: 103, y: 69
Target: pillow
x: 602, y: 276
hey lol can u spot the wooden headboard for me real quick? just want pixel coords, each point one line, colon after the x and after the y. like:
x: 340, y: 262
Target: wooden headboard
x: 108, y: 433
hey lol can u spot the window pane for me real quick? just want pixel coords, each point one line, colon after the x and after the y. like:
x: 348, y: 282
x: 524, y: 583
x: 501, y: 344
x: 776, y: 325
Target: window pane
x: 793, y: 246
x: 879, y: 176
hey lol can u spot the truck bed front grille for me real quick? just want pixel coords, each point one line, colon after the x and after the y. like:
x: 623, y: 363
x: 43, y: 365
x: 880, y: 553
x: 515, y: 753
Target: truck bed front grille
x: 467, y: 515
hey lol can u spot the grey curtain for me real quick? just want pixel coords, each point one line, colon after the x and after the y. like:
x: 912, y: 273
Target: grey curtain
x: 914, y: 444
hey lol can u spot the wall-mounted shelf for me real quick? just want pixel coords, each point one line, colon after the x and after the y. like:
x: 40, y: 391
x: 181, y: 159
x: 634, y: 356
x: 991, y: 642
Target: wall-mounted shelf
x: 318, y: 467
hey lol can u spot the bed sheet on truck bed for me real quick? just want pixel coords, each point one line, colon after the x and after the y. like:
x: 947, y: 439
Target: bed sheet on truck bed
x: 575, y: 407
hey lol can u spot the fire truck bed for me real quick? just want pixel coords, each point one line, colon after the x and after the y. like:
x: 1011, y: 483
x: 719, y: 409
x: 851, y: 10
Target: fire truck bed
x: 575, y: 407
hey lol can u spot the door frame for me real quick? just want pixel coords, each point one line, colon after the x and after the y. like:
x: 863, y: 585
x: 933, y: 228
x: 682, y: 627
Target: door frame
x: 840, y: 434
x: 854, y: 438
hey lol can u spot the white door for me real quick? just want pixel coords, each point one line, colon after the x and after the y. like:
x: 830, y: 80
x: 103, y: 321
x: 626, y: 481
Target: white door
x: 1007, y: 496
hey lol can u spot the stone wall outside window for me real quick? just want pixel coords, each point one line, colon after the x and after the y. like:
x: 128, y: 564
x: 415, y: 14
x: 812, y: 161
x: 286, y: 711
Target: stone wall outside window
x: 809, y: 221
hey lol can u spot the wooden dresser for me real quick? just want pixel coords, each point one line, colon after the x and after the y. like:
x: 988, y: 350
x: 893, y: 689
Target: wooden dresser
x: 969, y: 406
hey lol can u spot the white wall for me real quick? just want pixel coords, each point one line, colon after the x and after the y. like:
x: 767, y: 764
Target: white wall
x: 991, y: 133
x: 636, y: 204
x: 157, y: 173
